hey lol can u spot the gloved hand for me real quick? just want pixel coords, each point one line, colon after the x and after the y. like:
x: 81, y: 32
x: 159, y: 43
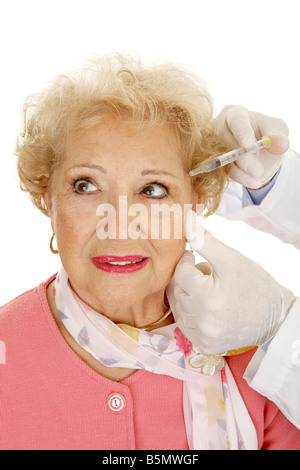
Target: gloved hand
x: 230, y: 302
x: 239, y: 127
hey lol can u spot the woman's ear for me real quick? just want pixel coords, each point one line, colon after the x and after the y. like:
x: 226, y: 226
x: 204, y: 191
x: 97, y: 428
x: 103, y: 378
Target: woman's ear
x: 47, y: 203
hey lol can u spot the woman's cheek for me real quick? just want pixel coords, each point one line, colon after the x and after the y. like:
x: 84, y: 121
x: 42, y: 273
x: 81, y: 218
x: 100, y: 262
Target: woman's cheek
x: 73, y: 222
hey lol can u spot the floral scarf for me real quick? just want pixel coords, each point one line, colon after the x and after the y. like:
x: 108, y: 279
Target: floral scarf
x: 215, y: 414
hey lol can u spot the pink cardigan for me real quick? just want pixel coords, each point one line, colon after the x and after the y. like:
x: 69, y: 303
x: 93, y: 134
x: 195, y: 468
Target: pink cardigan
x: 50, y: 399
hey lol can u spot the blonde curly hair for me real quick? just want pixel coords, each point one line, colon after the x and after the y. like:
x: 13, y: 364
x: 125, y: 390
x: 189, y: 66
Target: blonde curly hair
x: 149, y: 95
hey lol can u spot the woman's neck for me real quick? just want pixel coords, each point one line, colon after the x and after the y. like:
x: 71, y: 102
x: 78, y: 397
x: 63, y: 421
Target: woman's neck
x: 116, y: 374
x: 144, y: 312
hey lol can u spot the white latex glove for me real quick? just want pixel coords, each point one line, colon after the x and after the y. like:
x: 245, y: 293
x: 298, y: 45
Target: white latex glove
x: 239, y: 127
x: 230, y: 302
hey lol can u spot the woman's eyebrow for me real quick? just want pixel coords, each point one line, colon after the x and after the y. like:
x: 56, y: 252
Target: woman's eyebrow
x: 157, y: 172
x: 89, y: 165
x: 152, y: 171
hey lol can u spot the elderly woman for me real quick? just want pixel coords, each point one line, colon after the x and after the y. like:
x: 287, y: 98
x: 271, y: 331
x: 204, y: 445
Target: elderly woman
x: 95, y: 359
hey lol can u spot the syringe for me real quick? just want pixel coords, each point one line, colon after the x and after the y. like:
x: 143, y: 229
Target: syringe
x: 230, y: 157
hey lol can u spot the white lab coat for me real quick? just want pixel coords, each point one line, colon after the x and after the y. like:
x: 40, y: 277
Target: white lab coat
x: 275, y: 371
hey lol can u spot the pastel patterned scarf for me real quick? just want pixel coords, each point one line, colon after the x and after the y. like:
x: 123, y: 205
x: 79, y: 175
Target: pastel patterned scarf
x: 215, y: 414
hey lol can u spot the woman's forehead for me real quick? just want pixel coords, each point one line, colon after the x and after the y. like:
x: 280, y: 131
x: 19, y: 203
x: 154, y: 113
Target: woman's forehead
x: 113, y: 138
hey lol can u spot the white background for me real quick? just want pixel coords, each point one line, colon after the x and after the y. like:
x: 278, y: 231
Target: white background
x: 247, y: 51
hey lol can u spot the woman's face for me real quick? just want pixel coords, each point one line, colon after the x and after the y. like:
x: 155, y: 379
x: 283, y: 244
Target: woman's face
x: 101, y: 164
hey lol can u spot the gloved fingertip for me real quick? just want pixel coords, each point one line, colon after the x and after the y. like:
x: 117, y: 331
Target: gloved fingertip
x: 187, y: 257
x: 279, y: 144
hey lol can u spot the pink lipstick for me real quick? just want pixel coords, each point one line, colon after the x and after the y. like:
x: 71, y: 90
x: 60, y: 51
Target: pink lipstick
x: 120, y: 264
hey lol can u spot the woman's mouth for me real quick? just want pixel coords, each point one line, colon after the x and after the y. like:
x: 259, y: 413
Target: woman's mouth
x: 120, y: 264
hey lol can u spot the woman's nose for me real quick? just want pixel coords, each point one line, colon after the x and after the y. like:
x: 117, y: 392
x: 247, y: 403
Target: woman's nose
x: 122, y: 218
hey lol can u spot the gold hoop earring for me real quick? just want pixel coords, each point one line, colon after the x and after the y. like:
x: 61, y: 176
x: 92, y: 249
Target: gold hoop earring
x: 51, y: 247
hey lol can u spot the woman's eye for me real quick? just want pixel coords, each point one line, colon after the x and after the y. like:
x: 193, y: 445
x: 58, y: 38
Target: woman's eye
x: 156, y: 190
x: 84, y: 186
